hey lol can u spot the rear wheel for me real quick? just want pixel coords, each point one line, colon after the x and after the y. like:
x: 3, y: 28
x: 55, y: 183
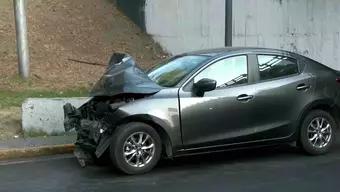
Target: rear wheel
x: 317, y: 133
x: 136, y: 148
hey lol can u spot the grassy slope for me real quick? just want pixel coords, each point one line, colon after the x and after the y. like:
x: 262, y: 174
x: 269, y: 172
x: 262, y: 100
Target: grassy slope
x: 60, y: 30
x: 15, y: 98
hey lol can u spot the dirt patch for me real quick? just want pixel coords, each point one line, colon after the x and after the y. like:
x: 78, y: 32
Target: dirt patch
x: 60, y: 30
x: 10, y: 123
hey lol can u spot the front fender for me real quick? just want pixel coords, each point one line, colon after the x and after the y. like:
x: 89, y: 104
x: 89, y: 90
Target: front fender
x: 163, y: 112
x: 160, y: 113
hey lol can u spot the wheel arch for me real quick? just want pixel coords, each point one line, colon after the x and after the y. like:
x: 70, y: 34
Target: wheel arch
x: 324, y: 104
x: 158, y: 125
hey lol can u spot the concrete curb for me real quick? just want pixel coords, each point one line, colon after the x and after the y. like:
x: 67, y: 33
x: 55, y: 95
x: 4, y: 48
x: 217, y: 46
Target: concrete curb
x: 15, y: 153
x: 46, y: 115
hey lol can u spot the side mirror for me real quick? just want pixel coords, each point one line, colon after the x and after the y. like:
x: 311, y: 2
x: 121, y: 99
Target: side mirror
x: 204, y: 85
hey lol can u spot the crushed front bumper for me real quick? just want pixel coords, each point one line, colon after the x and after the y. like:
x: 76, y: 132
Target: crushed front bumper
x: 93, y: 136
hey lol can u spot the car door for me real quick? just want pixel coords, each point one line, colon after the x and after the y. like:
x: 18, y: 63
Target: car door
x: 282, y: 92
x: 223, y: 115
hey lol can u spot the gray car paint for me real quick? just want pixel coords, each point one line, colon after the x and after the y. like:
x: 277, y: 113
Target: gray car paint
x: 163, y: 109
x: 218, y: 119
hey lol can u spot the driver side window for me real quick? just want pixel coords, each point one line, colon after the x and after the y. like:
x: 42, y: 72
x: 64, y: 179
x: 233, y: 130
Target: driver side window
x: 226, y: 72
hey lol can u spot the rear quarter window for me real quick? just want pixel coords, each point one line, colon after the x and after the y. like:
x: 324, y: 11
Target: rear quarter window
x: 274, y: 66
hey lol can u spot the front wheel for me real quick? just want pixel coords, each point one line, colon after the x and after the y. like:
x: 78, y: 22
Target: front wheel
x: 136, y: 148
x: 317, y: 133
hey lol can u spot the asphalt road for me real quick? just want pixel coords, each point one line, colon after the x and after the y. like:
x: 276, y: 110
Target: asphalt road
x: 271, y: 169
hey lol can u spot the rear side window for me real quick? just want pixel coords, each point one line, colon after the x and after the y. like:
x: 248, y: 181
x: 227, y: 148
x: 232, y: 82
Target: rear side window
x: 273, y: 66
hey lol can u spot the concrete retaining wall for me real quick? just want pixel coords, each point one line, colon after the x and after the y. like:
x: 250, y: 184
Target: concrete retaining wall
x: 134, y: 9
x: 308, y: 27
x: 185, y: 25
x: 46, y: 115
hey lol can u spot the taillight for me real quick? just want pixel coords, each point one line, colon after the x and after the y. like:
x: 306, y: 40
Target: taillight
x: 337, y: 79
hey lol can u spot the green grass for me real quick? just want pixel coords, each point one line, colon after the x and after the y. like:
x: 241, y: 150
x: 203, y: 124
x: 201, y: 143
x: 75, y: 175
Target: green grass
x: 16, y: 98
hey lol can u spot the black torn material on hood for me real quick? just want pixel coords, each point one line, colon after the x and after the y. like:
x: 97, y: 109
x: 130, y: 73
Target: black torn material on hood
x: 124, y: 76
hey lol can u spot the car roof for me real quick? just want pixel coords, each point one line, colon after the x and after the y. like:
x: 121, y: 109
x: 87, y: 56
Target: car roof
x: 225, y: 51
x: 235, y: 50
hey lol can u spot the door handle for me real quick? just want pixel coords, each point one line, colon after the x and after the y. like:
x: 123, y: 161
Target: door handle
x: 244, y: 97
x: 302, y: 87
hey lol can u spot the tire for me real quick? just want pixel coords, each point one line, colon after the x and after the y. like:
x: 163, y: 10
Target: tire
x: 319, y: 140
x: 125, y: 140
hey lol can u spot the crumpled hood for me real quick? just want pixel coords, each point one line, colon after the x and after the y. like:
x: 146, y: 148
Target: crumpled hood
x: 124, y: 76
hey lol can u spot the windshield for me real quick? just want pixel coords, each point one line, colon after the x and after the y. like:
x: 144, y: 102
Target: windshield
x: 170, y: 73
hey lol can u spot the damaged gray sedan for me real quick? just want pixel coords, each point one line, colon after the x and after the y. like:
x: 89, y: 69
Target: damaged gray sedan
x: 205, y: 101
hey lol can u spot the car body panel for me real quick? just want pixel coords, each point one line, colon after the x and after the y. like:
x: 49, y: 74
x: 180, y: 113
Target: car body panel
x: 163, y: 109
x: 278, y: 103
x: 217, y: 115
x: 217, y: 120
x: 221, y: 119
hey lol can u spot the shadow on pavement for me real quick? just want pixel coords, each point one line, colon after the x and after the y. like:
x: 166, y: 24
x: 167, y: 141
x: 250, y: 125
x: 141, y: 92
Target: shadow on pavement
x: 194, y: 163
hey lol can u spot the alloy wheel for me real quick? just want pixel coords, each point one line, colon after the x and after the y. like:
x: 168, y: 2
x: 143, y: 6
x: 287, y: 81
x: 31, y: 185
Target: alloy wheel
x: 139, y: 149
x: 319, y: 132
